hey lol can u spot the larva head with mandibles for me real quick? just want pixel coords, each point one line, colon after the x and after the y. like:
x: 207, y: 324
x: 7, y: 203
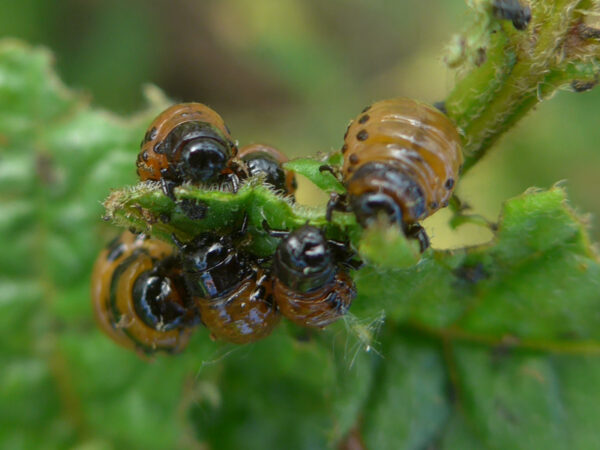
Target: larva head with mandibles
x: 186, y: 142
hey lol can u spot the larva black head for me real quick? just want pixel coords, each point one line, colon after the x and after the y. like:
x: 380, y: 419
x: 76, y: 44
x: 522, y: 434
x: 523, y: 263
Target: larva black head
x: 157, y: 301
x: 379, y: 188
x: 303, y: 260
x: 196, y: 152
x: 368, y: 206
x: 212, y: 266
x: 263, y: 163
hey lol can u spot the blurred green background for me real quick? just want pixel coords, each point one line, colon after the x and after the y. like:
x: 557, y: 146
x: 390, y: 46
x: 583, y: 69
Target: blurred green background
x: 292, y: 73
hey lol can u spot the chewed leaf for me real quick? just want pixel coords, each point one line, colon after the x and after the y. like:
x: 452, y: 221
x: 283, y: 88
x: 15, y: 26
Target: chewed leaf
x: 312, y: 169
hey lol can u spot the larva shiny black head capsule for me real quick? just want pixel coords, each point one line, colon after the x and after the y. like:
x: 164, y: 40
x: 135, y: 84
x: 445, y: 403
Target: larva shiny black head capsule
x: 188, y: 142
x: 311, y: 288
x: 266, y: 160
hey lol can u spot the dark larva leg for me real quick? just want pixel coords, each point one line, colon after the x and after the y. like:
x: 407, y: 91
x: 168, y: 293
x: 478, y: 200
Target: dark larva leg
x: 345, y: 254
x: 235, y: 182
x: 332, y: 170
x: 337, y: 202
x: 441, y: 106
x: 417, y: 232
x: 179, y: 243
x: 239, y: 168
x: 274, y: 233
x: 168, y: 188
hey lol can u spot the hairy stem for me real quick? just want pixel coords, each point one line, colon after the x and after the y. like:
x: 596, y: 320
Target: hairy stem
x: 506, y: 72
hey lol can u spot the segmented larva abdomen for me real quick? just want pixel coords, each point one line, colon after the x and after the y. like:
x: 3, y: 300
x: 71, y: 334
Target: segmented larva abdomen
x: 124, y: 308
x: 414, y: 140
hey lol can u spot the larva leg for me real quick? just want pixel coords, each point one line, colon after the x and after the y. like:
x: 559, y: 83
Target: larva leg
x: 441, y: 106
x: 235, y: 182
x: 417, y: 232
x: 330, y: 169
x: 337, y: 202
x: 345, y: 254
x: 168, y: 188
x: 239, y: 167
x: 274, y: 233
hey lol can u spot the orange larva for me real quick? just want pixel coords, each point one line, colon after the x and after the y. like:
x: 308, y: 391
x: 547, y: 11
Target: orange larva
x: 311, y: 287
x: 231, y: 291
x: 263, y: 159
x: 138, y: 295
x: 245, y: 314
x: 188, y: 142
x: 402, y: 158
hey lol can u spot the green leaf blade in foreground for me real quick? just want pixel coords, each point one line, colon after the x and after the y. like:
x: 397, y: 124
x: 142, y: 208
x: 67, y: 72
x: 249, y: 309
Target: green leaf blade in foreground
x: 410, y: 403
x: 509, y: 294
x: 288, y: 405
x: 528, y: 401
x: 538, y: 280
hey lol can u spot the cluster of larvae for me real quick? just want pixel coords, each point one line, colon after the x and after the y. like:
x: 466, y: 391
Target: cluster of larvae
x: 401, y: 160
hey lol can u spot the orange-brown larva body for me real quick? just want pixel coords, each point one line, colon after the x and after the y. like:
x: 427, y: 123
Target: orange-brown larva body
x: 246, y: 314
x: 311, y: 287
x: 163, y: 153
x: 317, y: 308
x: 122, y: 281
x: 231, y: 291
x: 402, y: 157
x: 260, y: 158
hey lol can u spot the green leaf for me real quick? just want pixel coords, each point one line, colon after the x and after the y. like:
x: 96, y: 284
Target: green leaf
x: 302, y: 391
x: 528, y: 401
x: 310, y: 168
x: 386, y: 246
x: 536, y: 281
x: 410, y: 402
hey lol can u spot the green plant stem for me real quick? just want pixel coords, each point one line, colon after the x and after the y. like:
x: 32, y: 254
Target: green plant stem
x: 520, y: 69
